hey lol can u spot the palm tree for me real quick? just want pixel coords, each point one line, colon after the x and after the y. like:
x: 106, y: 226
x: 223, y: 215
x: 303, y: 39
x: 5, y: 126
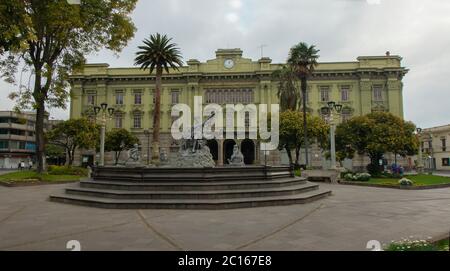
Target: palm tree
x: 303, y: 60
x: 158, y: 53
x: 287, y: 88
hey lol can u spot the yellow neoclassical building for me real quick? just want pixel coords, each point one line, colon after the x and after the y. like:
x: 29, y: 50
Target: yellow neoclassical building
x: 371, y: 83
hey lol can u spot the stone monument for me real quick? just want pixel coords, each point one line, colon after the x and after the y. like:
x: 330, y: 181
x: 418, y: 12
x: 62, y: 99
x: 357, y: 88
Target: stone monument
x: 194, y: 152
x: 134, y: 156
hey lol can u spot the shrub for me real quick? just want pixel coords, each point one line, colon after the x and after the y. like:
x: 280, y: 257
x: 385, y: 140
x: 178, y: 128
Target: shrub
x: 348, y: 177
x: 65, y: 170
x: 363, y: 177
x: 411, y: 245
x: 345, y: 173
x: 359, y: 177
x: 405, y: 182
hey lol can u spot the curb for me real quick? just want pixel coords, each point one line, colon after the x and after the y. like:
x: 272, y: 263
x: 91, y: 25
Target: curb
x: 422, y: 187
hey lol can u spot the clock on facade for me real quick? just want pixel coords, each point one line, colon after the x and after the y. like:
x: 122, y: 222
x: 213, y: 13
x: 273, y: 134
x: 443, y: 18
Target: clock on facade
x: 229, y: 63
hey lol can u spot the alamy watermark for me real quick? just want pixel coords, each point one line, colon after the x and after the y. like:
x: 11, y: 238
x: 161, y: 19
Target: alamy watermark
x: 236, y: 121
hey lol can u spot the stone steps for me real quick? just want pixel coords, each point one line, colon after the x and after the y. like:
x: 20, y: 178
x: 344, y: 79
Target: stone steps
x: 191, y: 188
x: 195, y: 194
x: 191, y: 203
x: 186, y: 185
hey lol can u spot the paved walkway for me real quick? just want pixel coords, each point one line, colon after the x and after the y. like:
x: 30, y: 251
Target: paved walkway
x: 344, y: 221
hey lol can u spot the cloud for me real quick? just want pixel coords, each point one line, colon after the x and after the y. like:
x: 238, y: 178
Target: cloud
x: 341, y: 29
x: 232, y: 17
x: 236, y: 4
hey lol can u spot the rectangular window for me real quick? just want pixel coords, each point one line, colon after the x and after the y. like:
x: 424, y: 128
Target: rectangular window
x: 154, y: 95
x: 444, y: 144
x: 137, y: 121
x: 22, y: 145
x: 14, y: 144
x: 30, y: 146
x: 4, y: 144
x: 345, y: 93
x: 118, y: 121
x: 91, y: 99
x: 378, y: 92
x: 137, y: 97
x: 119, y: 97
x: 446, y: 162
x: 175, y: 96
x: 324, y: 94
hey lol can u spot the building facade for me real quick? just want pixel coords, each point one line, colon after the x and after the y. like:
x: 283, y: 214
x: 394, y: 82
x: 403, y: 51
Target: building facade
x: 435, y: 149
x: 371, y: 83
x: 17, y: 138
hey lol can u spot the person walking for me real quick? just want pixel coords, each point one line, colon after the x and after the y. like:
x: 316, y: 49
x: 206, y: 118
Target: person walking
x: 19, y: 166
x: 30, y: 165
x: 22, y: 165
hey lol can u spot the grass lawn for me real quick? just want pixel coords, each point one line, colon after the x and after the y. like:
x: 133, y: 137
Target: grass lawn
x: 27, y: 175
x: 419, y: 180
x: 443, y: 245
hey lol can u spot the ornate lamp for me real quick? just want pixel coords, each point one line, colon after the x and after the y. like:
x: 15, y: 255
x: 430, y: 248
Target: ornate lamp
x: 111, y: 111
x: 325, y: 110
x: 104, y: 106
x: 97, y: 109
x: 338, y: 108
x: 331, y: 104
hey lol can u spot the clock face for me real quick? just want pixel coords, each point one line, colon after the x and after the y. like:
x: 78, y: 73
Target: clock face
x: 229, y: 63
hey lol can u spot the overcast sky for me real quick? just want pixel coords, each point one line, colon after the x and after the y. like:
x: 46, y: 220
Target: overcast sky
x: 417, y: 30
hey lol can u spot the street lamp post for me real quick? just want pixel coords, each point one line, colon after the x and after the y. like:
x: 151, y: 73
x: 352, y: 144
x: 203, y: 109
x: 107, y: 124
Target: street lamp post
x: 104, y: 110
x: 420, y: 159
x: 331, y: 110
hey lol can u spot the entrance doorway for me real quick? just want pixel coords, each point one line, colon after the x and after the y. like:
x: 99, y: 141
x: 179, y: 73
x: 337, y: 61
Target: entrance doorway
x: 248, y: 150
x: 228, y: 149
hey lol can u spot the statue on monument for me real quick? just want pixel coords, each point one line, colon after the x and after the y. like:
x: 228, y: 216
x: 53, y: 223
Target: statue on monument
x: 194, y: 152
x: 134, y: 155
x: 237, y: 158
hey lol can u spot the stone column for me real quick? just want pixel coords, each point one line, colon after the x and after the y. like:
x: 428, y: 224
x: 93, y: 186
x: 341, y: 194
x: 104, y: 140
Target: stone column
x: 220, y: 152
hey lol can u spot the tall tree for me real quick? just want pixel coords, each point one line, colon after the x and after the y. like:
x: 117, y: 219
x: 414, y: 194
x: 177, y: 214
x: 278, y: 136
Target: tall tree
x: 51, y: 37
x: 303, y: 60
x: 288, y: 93
x: 158, y: 54
x: 376, y: 134
x: 119, y: 140
x: 292, y: 133
x: 72, y: 135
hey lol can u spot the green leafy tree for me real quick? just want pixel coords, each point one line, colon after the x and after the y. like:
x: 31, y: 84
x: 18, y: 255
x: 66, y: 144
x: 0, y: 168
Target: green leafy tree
x: 51, y: 38
x: 74, y: 134
x: 292, y: 132
x: 158, y: 54
x: 55, y: 152
x: 303, y: 60
x: 376, y: 134
x: 119, y: 140
x: 288, y: 93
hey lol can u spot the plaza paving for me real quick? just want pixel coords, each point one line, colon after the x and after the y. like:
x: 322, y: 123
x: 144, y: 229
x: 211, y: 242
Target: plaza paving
x: 344, y: 221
